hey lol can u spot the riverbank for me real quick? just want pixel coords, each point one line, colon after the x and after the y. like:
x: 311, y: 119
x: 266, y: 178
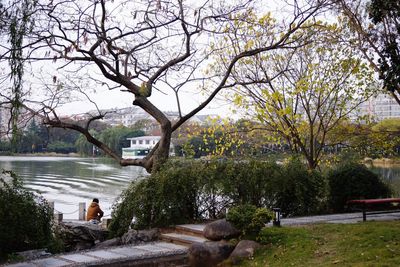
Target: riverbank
x: 43, y: 154
x: 382, y: 162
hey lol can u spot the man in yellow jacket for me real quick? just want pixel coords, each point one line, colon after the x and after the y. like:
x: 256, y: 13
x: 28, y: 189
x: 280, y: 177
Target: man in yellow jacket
x: 94, y: 212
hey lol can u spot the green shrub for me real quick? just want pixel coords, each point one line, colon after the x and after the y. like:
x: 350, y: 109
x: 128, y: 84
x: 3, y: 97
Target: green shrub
x: 185, y: 191
x: 354, y: 181
x: 248, y: 218
x: 25, y: 219
x: 178, y: 193
x: 298, y: 190
x: 250, y: 182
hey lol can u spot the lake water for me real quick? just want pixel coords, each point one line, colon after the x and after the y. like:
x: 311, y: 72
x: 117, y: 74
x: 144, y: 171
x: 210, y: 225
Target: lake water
x: 67, y: 181
x: 389, y: 172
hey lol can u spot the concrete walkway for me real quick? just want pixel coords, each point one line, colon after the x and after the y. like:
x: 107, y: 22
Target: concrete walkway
x: 169, y: 254
x: 142, y: 255
x: 338, y: 218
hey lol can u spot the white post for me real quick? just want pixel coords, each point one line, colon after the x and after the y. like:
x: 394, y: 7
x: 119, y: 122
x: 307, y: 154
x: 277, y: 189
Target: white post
x: 82, y: 211
x: 58, y: 217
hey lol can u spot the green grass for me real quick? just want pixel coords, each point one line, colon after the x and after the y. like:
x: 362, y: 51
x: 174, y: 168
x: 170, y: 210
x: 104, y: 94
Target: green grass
x: 361, y: 244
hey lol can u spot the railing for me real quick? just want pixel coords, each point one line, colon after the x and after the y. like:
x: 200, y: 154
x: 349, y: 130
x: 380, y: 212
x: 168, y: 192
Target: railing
x: 58, y: 216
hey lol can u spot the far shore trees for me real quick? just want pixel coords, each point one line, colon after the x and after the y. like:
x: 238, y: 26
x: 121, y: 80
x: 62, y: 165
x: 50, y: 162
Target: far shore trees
x: 140, y: 47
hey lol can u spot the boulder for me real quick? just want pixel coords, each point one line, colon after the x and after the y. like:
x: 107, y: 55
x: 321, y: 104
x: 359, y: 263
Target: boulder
x: 244, y: 250
x: 220, y: 229
x: 209, y: 253
x: 79, y: 236
x: 141, y: 236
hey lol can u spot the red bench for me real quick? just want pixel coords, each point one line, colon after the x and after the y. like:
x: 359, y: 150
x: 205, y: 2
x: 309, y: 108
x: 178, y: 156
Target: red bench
x: 375, y: 206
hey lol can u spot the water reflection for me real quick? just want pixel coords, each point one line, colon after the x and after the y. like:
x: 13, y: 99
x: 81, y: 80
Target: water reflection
x: 389, y: 172
x: 68, y: 181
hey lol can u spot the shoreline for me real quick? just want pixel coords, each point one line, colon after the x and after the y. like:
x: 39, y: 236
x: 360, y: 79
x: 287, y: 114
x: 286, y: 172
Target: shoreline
x: 382, y: 162
x: 50, y: 154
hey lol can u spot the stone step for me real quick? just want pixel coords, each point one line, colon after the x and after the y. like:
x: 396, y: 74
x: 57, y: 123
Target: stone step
x: 182, y: 239
x: 190, y: 229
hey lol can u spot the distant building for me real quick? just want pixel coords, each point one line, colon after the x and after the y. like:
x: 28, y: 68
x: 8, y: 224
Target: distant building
x: 380, y: 107
x: 141, y: 146
x: 131, y: 115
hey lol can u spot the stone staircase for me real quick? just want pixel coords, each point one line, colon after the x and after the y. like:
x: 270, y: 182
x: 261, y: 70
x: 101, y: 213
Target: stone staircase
x: 184, y: 234
x: 170, y: 251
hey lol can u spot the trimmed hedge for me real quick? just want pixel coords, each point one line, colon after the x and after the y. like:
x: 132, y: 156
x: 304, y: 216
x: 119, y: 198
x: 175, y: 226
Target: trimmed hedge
x: 354, y: 181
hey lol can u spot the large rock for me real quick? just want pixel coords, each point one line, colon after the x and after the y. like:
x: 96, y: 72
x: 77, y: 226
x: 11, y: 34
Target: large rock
x: 209, y: 253
x: 142, y: 236
x: 244, y: 250
x: 78, y: 236
x: 220, y: 229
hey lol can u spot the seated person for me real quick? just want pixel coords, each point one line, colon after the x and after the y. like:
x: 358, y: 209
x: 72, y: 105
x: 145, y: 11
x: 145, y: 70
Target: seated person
x: 94, y: 213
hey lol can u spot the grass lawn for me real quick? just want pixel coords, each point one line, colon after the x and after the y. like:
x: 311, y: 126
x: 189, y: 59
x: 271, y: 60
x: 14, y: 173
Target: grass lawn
x: 361, y: 244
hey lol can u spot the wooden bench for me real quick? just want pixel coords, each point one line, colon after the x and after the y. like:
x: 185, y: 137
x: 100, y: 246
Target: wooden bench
x: 375, y: 206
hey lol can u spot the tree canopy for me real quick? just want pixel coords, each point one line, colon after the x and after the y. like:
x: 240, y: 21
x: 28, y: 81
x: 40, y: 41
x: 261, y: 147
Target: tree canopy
x: 139, y: 47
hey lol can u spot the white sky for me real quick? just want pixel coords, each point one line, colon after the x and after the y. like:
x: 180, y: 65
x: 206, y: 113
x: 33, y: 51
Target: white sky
x: 106, y: 99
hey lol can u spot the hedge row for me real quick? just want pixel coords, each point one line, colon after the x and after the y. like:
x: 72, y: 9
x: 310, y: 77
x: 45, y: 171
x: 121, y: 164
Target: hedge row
x: 195, y: 190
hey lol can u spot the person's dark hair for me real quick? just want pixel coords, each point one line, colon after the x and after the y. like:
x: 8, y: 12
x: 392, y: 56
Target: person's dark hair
x: 96, y: 200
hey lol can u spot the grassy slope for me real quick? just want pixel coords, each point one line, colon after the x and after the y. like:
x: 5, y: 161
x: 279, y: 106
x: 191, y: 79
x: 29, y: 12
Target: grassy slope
x: 362, y: 244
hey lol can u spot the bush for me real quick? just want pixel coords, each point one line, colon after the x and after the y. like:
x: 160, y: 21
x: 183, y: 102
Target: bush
x: 354, y: 181
x: 299, y: 191
x: 248, y: 218
x: 25, y: 219
x: 180, y: 192
x: 250, y: 182
x: 186, y: 191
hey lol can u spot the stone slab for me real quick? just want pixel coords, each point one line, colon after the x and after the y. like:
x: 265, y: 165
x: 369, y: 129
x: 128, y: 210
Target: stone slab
x: 172, y: 246
x: 105, y: 254
x: 78, y: 258
x: 50, y: 262
x: 195, y: 227
x: 190, y: 238
x: 130, y: 251
x: 155, y: 248
x: 22, y: 264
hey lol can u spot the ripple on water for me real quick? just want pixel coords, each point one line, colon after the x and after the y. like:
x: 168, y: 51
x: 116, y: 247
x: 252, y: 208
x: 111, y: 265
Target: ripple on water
x: 68, y: 181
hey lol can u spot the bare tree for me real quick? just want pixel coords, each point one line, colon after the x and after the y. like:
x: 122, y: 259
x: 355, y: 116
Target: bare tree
x: 142, y: 46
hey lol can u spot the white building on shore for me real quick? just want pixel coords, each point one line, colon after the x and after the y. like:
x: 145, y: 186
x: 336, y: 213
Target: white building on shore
x: 141, y: 146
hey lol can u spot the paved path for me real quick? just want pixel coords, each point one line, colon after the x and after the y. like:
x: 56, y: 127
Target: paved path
x: 338, y: 218
x: 114, y: 256
x: 159, y: 251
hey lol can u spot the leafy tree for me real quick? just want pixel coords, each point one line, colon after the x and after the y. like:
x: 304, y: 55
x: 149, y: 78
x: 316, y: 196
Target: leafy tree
x: 16, y: 23
x: 302, y: 95
x: 375, y: 24
x: 140, y: 47
x: 83, y: 146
